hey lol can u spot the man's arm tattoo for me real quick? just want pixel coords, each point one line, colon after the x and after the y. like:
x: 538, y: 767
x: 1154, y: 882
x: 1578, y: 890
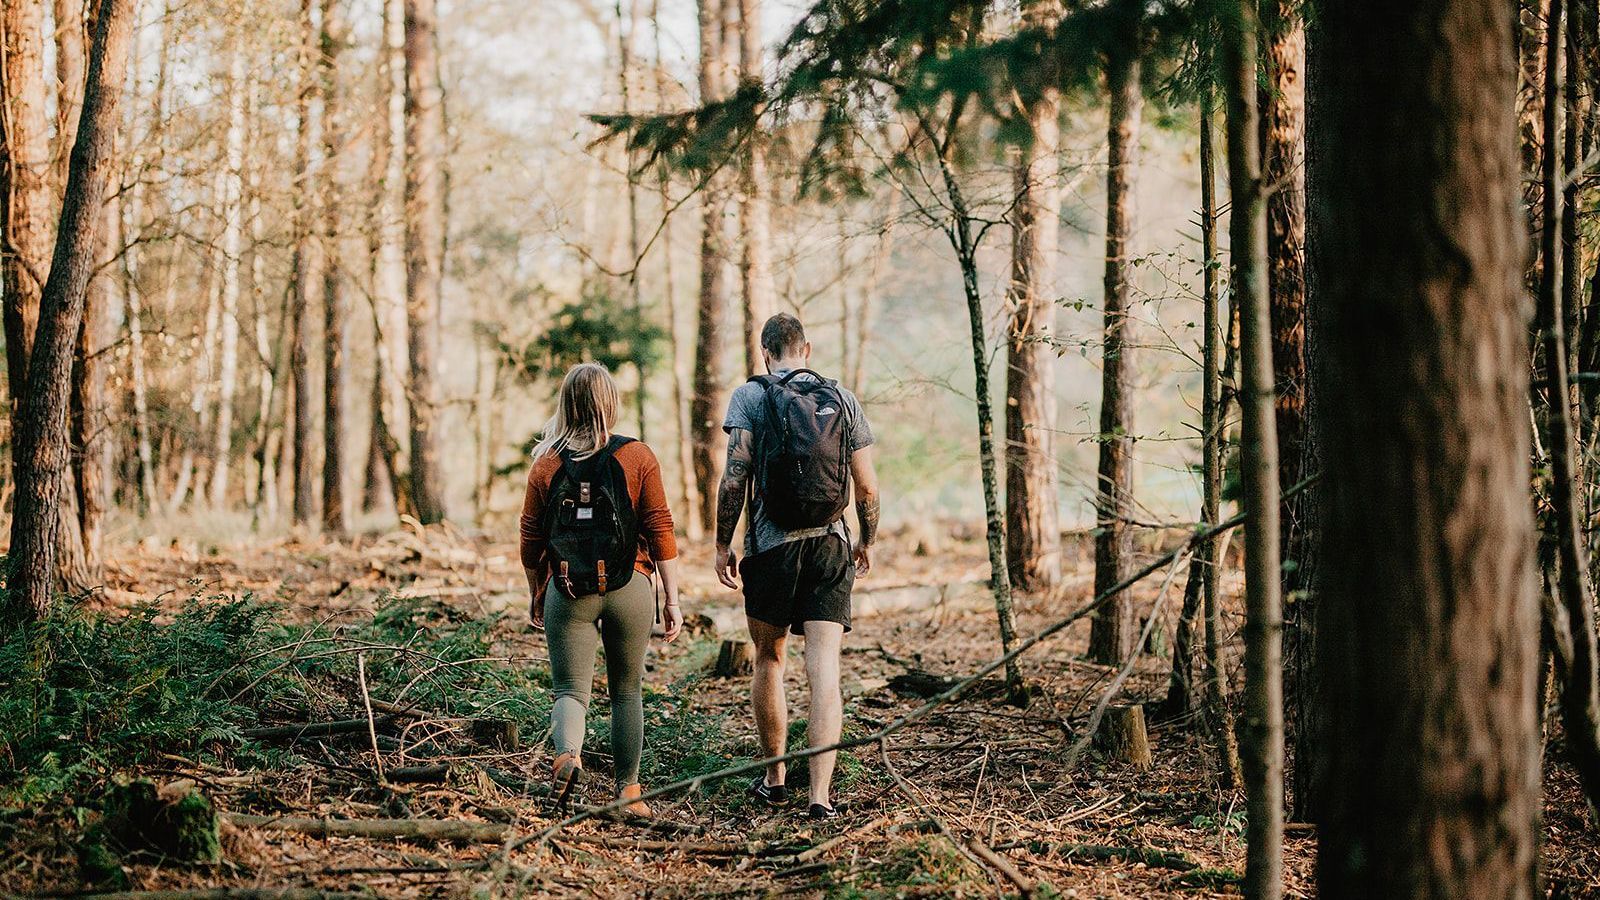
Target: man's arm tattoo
x: 867, y: 513
x: 730, y: 495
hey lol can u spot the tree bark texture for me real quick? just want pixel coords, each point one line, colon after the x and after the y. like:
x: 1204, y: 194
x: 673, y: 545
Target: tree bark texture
x: 1428, y: 629
x: 1112, y: 631
x: 1033, y: 529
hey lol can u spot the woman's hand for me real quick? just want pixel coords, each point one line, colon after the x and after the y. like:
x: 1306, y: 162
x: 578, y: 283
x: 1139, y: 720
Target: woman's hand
x: 671, y: 620
x: 536, y: 598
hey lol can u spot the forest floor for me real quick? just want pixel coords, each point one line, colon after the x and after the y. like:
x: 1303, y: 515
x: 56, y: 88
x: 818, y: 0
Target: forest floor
x: 978, y: 799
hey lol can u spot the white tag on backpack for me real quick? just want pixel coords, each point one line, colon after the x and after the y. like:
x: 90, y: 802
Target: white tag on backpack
x: 585, y: 512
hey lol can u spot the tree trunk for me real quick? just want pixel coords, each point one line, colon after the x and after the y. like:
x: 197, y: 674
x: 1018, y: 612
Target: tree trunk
x: 386, y: 455
x: 1428, y: 626
x: 26, y: 203
x: 755, y: 214
x: 41, y: 432
x: 1033, y: 531
x: 334, y: 301
x: 1282, y: 102
x: 1574, y: 627
x: 705, y: 431
x: 92, y: 419
x: 133, y: 289
x: 963, y: 242
x: 1263, y: 629
x: 306, y: 277
x: 1213, y: 415
x: 680, y: 404
x: 232, y: 203
x: 1179, y: 701
x: 71, y: 24
x: 1112, y: 632
x: 425, y: 234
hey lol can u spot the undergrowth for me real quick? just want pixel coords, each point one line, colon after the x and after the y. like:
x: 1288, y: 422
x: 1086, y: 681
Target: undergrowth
x: 86, y: 695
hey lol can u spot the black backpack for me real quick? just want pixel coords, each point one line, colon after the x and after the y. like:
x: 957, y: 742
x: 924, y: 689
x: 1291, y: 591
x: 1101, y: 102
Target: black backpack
x: 803, y: 451
x: 589, y: 524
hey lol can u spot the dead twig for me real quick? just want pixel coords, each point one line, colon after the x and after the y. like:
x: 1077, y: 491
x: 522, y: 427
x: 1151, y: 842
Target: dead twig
x: 372, y: 726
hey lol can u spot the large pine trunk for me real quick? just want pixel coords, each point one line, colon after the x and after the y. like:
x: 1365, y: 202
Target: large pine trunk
x: 1113, y: 630
x: 706, y: 405
x: 424, y: 219
x: 41, y: 431
x: 1033, y: 532
x: 1428, y: 629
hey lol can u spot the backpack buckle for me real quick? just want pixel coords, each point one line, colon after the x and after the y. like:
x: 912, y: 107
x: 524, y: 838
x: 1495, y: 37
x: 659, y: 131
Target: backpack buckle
x: 600, y: 566
x: 584, y: 493
x: 566, y: 580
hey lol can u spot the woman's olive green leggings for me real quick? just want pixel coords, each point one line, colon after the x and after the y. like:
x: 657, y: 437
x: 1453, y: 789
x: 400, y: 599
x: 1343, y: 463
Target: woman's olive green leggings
x: 625, y: 617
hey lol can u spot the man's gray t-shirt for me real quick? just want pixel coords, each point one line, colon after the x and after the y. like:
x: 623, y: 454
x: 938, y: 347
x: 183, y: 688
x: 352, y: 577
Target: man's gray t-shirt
x: 747, y: 409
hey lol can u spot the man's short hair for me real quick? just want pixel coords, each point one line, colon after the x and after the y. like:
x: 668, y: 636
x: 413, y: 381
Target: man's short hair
x: 783, y: 335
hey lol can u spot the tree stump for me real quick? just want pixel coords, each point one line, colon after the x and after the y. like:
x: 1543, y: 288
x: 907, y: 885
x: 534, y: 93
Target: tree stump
x: 497, y: 734
x: 1123, y: 738
x: 736, y: 658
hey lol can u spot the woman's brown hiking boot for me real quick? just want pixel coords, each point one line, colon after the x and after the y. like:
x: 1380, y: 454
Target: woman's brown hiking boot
x: 567, y: 773
x: 637, y: 807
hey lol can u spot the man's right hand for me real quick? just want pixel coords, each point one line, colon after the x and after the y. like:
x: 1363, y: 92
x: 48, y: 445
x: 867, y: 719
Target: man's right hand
x: 727, y: 567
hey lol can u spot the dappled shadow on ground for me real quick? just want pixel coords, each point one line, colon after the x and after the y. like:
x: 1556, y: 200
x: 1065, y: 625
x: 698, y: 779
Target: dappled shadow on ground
x: 979, y: 797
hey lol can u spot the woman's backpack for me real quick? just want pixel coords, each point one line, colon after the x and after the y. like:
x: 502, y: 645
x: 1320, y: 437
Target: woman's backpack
x: 591, y: 531
x: 803, y: 451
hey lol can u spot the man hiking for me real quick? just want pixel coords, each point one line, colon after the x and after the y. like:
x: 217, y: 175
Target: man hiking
x: 796, y: 442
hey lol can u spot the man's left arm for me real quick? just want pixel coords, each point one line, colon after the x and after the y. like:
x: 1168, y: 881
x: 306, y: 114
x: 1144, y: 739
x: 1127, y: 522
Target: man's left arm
x: 866, y: 481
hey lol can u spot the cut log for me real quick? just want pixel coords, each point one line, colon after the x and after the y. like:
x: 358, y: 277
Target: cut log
x: 735, y: 659
x: 1123, y: 738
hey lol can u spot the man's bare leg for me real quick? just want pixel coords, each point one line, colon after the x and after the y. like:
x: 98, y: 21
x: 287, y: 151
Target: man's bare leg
x: 823, y: 640
x: 766, y: 693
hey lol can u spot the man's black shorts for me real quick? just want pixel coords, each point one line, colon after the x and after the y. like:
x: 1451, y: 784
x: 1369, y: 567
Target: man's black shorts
x: 801, y: 581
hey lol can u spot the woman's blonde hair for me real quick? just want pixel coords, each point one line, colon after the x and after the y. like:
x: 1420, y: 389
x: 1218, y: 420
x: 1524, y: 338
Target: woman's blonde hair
x: 585, y: 412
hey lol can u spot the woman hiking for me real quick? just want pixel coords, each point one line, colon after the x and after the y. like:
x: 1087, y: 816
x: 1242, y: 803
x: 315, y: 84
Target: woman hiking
x: 595, y: 529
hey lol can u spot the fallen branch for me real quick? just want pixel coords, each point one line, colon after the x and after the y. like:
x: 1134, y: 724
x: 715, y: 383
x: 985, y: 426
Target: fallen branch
x: 811, y: 854
x: 1006, y: 868
x: 232, y: 894
x: 456, y: 830
x: 1153, y: 857
x: 310, y: 729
